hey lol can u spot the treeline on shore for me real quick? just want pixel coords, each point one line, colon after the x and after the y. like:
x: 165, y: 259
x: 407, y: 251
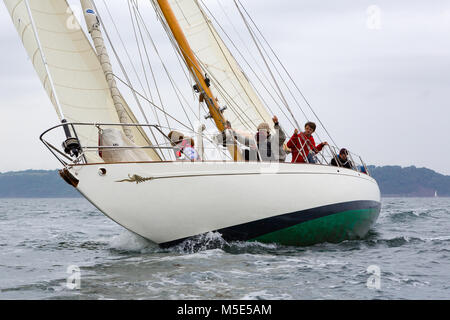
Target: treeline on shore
x: 35, y: 184
x: 393, y: 181
x: 410, y: 181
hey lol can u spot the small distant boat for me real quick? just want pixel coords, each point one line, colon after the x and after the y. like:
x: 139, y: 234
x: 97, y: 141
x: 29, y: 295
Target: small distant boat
x: 435, y: 194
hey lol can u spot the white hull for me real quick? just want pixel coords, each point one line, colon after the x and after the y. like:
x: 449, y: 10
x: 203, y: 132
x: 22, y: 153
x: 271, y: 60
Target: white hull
x: 185, y: 199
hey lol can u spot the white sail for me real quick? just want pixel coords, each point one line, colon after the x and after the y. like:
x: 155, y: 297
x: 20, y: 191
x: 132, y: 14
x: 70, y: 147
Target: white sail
x: 79, y: 82
x: 229, y: 83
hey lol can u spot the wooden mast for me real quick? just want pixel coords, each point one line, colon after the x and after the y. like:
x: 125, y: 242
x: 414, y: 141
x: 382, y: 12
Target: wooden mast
x: 196, y: 71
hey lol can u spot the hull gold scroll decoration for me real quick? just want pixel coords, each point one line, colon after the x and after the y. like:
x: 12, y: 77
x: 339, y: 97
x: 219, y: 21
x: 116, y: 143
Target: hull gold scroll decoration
x: 136, y: 178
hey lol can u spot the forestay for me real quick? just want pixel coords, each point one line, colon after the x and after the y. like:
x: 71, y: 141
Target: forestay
x: 228, y: 82
x: 79, y: 81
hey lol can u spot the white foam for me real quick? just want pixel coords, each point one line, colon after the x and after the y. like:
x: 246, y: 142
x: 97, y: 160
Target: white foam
x: 444, y: 238
x: 129, y: 241
x: 252, y: 244
x: 206, y: 241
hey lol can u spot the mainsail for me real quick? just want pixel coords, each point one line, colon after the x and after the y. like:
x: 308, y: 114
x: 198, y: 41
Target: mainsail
x: 244, y: 110
x: 78, y: 80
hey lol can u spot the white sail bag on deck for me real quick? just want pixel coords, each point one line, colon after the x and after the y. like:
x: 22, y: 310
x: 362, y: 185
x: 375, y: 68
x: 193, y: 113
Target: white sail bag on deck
x: 117, y: 139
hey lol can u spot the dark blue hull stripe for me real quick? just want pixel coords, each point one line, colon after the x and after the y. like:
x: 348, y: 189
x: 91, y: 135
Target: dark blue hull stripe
x: 254, y: 229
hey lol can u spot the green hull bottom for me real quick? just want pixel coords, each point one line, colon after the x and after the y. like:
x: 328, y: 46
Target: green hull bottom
x: 334, y: 228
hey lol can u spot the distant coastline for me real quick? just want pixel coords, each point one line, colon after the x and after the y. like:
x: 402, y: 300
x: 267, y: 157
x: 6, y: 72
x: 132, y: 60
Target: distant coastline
x: 35, y: 184
x: 394, y: 181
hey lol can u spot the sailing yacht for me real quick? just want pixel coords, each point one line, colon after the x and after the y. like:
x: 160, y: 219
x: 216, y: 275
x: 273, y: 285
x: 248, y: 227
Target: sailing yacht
x: 125, y: 166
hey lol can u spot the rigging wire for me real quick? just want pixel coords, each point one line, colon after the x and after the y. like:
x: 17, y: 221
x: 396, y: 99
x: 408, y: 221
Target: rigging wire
x: 265, y: 61
x: 180, y: 50
x: 149, y: 62
x: 137, y: 21
x: 142, y: 60
x: 171, y: 36
x: 241, y: 54
x: 124, y: 71
x: 288, y: 74
x: 223, y: 47
x: 243, y: 44
x: 176, y: 47
x: 121, y: 41
x: 128, y: 83
x: 160, y: 109
x: 251, y: 68
x: 228, y: 98
x: 131, y: 87
x: 172, y: 82
x: 261, y: 48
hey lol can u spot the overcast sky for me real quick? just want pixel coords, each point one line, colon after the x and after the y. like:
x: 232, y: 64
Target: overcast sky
x: 376, y: 72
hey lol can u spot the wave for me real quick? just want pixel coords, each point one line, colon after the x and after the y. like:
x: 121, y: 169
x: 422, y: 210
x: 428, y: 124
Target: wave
x: 405, y: 216
x: 130, y: 242
x: 393, y: 242
x: 405, y: 240
x: 214, y: 240
x: 397, y: 214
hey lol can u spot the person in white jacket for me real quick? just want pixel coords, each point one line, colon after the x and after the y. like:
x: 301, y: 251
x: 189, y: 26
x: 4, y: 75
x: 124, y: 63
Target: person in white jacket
x: 277, y: 141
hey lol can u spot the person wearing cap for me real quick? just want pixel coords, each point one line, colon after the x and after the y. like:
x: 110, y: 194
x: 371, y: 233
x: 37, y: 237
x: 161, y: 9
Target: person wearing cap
x: 303, y: 146
x: 183, y: 146
x: 342, y: 160
x: 175, y: 137
x: 270, y: 146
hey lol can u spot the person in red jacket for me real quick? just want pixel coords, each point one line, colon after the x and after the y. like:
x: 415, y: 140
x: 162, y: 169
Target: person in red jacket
x: 303, y: 145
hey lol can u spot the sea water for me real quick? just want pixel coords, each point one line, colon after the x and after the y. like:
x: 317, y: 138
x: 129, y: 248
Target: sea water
x: 66, y: 249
